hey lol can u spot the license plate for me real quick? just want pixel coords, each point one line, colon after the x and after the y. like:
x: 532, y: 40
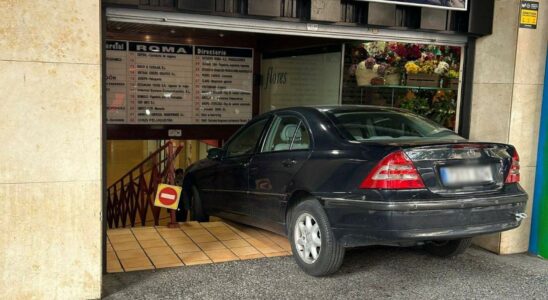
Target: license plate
x: 463, y: 175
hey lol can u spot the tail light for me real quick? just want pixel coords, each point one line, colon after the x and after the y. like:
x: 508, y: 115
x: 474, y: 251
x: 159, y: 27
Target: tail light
x: 513, y: 174
x: 395, y: 171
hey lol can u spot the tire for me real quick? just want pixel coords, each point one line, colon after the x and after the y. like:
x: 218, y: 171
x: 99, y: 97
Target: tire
x: 329, y: 253
x: 181, y: 215
x: 448, y: 248
x: 196, y: 211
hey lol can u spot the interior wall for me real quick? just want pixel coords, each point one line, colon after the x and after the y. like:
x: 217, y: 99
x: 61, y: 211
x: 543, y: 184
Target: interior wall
x: 124, y: 155
x: 50, y: 171
x: 507, y: 91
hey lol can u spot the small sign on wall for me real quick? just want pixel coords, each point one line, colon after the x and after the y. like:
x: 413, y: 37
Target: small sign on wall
x: 528, y: 14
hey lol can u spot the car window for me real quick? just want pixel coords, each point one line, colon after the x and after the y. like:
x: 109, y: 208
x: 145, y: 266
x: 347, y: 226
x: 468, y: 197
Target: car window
x: 301, y: 140
x: 379, y: 125
x: 245, y: 141
x: 286, y: 133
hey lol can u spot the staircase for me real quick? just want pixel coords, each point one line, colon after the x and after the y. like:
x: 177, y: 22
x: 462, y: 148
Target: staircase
x: 131, y: 196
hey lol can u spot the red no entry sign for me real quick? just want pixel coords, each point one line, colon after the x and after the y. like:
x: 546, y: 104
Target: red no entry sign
x: 167, y: 196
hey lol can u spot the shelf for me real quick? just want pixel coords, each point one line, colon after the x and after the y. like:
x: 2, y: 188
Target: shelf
x: 407, y: 87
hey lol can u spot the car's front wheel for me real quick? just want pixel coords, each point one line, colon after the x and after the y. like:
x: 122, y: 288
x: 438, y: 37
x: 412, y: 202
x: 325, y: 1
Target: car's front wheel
x: 314, y: 246
x: 196, y: 210
x: 448, y: 248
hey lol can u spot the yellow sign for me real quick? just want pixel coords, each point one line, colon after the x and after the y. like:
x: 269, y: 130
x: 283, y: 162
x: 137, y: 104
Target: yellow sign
x: 528, y: 16
x: 167, y: 196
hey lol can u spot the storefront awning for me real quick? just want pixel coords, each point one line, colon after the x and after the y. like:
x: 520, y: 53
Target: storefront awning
x: 177, y: 19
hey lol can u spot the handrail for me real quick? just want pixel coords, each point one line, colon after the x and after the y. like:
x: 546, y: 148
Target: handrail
x: 133, y: 193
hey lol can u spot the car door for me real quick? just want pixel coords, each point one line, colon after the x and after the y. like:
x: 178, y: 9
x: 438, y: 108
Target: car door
x: 285, y: 148
x: 232, y: 172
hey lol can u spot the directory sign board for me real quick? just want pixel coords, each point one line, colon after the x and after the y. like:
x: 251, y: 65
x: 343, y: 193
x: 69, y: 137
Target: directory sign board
x: 154, y: 83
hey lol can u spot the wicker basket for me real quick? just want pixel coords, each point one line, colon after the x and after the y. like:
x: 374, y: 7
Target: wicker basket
x: 423, y: 80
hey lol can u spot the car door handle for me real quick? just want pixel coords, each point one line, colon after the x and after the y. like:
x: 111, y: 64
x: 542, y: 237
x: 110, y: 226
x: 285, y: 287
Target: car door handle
x: 244, y: 164
x: 289, y: 162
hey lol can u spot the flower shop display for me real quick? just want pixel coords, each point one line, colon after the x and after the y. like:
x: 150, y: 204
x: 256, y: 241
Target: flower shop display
x: 419, y: 77
x: 422, y: 65
x: 439, y: 107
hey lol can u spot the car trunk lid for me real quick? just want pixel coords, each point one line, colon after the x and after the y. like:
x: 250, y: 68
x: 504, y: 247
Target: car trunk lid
x: 460, y: 167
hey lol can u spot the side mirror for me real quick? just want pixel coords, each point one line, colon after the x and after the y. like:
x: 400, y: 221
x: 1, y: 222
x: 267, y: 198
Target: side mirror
x: 215, y: 153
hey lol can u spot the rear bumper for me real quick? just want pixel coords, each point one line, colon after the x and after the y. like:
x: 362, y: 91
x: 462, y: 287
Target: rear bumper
x: 362, y: 222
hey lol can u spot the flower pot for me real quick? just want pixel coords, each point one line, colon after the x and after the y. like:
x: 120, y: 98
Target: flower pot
x: 364, y: 75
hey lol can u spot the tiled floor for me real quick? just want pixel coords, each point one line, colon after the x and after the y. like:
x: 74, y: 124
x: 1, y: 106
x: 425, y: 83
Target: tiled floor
x: 143, y: 248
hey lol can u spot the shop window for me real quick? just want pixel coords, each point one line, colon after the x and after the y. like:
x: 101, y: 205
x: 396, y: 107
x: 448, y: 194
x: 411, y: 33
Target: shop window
x: 421, y: 78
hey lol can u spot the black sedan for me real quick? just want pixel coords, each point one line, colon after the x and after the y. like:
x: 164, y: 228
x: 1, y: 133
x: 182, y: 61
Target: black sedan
x: 336, y: 177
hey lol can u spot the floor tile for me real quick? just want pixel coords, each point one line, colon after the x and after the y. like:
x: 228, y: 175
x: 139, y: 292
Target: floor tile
x: 221, y: 255
x: 177, y: 241
x: 185, y: 248
x: 120, y: 231
x: 192, y: 258
x: 132, y: 253
x: 211, y: 246
x: 213, y: 224
x: 220, y: 230
x: 114, y: 267
x: 111, y: 256
x: 244, y: 251
x: 159, y: 251
x: 174, y: 235
x: 126, y: 246
x: 121, y: 238
x: 190, y: 225
x: 281, y: 253
x: 153, y: 243
x: 144, y: 230
x: 196, y: 231
x: 136, y: 264
x: 251, y: 256
x: 164, y: 261
x: 203, y: 238
x: 167, y: 247
x: 147, y: 236
x: 227, y: 236
x: 236, y: 243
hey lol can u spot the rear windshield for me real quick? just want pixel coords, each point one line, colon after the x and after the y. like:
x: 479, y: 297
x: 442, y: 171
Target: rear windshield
x: 388, y: 125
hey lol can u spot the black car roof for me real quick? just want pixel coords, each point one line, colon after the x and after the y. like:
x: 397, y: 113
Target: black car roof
x: 340, y: 108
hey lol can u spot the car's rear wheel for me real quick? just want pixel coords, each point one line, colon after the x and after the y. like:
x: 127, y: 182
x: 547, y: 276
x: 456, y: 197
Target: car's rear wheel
x: 314, y: 246
x: 196, y: 210
x: 448, y: 248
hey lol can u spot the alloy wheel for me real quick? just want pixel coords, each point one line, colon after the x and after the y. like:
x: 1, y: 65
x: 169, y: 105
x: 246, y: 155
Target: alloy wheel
x: 307, y: 237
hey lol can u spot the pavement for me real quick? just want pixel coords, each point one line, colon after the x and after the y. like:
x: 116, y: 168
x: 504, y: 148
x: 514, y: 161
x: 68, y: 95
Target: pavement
x: 371, y: 272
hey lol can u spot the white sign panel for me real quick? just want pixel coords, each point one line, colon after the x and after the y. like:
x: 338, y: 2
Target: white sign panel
x: 441, y: 4
x: 151, y: 83
x: 300, y: 80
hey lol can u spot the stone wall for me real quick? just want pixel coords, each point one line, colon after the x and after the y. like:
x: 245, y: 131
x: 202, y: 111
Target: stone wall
x: 506, y: 101
x: 50, y: 166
